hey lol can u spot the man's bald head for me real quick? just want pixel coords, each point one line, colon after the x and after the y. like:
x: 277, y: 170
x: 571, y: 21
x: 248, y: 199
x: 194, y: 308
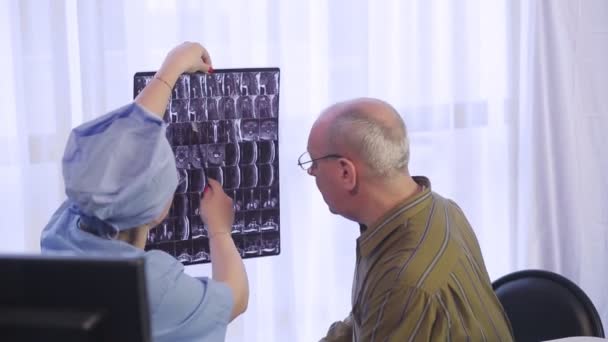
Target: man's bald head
x: 369, y: 129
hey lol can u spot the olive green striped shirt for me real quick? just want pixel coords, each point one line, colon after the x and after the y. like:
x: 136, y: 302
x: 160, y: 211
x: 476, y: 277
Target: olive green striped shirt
x: 420, y: 276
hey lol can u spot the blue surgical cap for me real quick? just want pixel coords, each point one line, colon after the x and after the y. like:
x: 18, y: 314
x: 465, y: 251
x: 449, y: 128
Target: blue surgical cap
x: 119, y: 170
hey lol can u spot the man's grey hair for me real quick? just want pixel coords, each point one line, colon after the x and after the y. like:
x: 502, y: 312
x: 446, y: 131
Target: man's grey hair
x: 383, y: 147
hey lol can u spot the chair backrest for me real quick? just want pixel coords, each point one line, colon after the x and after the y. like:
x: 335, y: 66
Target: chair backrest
x: 543, y: 305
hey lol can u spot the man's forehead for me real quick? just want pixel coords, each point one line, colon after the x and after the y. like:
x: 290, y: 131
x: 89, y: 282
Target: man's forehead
x: 313, y: 137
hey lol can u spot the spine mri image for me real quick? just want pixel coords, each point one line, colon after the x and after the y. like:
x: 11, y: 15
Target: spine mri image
x: 223, y: 126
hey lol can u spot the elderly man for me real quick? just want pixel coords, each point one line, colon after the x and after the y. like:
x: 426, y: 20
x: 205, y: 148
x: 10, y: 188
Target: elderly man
x: 420, y: 275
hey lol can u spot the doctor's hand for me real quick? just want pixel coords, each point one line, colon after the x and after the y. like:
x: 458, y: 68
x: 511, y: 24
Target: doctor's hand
x: 216, y: 209
x: 186, y: 57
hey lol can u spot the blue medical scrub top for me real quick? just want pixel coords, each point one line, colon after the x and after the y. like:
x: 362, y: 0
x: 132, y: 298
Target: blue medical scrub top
x: 183, y: 308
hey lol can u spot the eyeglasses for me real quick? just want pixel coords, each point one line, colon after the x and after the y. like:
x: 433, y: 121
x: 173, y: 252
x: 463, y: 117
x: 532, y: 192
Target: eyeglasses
x: 305, y: 160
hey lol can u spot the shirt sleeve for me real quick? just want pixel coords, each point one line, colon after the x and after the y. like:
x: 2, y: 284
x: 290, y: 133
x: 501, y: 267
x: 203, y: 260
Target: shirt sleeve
x: 404, y: 314
x: 341, y: 331
x: 188, y: 308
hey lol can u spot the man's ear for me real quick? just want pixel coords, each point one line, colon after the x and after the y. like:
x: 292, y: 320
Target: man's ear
x: 348, y: 174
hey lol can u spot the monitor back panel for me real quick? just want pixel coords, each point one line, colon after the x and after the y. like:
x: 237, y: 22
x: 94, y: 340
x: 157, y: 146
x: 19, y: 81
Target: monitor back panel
x: 53, y: 293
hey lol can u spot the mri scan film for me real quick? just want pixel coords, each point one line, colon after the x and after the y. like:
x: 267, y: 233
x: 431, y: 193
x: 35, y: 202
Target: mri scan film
x: 223, y: 126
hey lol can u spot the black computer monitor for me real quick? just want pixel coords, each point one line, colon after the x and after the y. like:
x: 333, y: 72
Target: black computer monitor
x: 62, y: 298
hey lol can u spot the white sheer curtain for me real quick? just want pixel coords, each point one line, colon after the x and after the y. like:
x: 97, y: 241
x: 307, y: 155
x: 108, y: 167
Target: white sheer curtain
x: 502, y: 99
x: 559, y: 135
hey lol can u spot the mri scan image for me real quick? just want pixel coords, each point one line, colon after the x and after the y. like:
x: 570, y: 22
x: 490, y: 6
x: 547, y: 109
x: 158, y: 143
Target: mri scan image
x: 180, y: 205
x: 194, y: 201
x: 262, y: 106
x: 197, y: 86
x: 232, y: 154
x: 216, y: 173
x: 198, y: 132
x: 252, y: 222
x: 166, y: 247
x: 212, y: 111
x: 196, y: 180
x: 182, y: 181
x: 198, y: 156
x: 200, y: 251
x: 180, y: 110
x: 250, y: 246
x: 270, y: 198
x: 216, y: 154
x: 266, y: 175
x: 197, y: 110
x: 165, y: 230
x: 230, y: 84
x: 182, y: 157
x: 244, y: 107
x: 269, y: 130
x: 222, y: 126
x: 275, y: 106
x: 232, y: 129
x: 198, y: 228
x: 232, y: 177
x: 183, y: 250
x: 227, y: 108
x: 250, y: 83
x: 250, y: 129
x: 270, y: 221
x: 266, y: 152
x: 237, y: 199
x: 181, y: 90
x: 251, y: 199
x: 248, y: 153
x: 140, y: 83
x: 271, y: 244
x: 182, y: 228
x: 212, y: 88
x: 179, y: 134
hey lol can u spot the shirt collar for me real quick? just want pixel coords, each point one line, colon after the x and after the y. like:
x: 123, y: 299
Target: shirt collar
x: 372, y: 236
x: 63, y: 234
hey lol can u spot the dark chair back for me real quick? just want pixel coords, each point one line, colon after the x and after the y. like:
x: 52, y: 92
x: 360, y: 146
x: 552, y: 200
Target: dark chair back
x: 543, y: 305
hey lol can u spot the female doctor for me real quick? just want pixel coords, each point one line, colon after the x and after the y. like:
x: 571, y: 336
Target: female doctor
x: 120, y: 176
